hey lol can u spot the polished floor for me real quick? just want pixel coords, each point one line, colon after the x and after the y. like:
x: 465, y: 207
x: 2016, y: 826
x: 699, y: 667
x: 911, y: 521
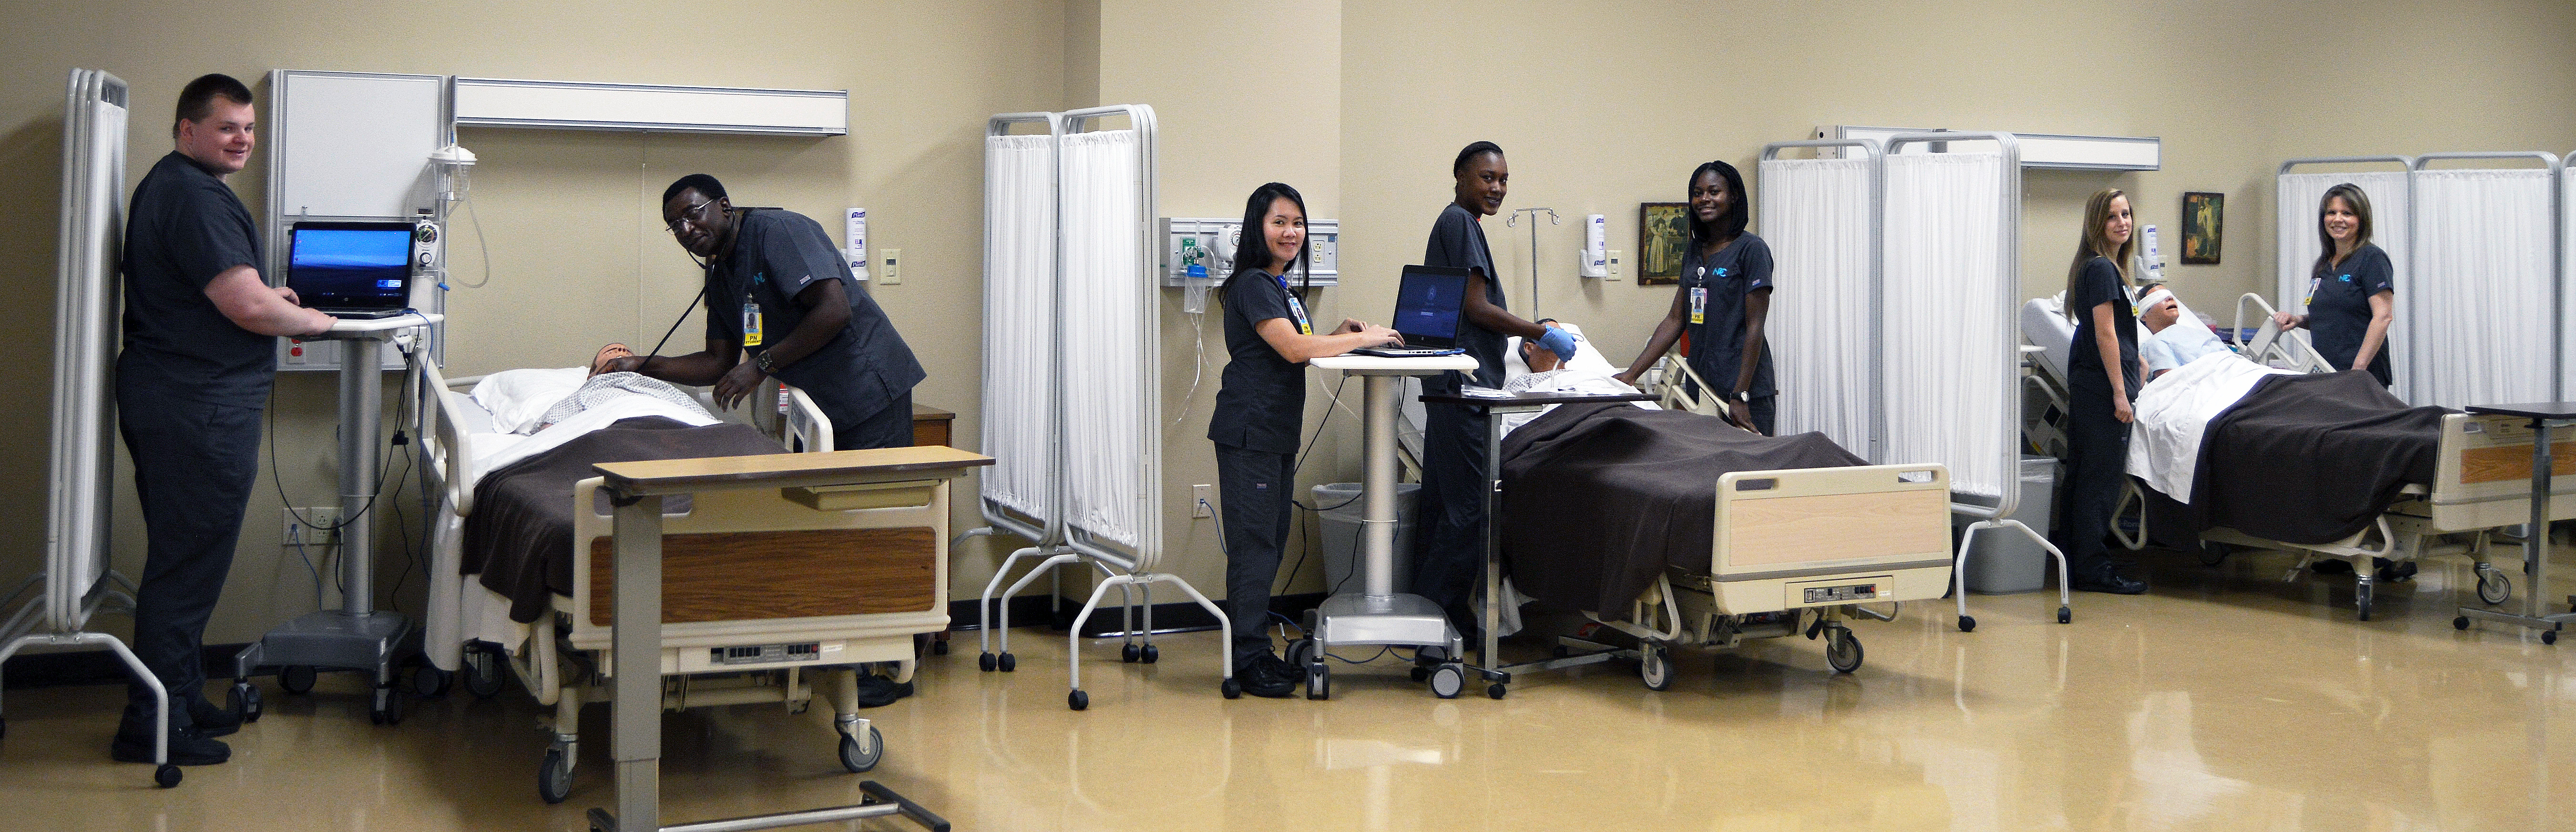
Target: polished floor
x: 2225, y: 699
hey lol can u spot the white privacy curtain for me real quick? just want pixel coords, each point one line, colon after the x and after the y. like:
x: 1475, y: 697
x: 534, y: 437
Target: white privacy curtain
x: 1111, y: 404
x: 2298, y: 246
x: 1947, y: 320
x: 2484, y: 256
x: 1816, y: 217
x: 1019, y: 322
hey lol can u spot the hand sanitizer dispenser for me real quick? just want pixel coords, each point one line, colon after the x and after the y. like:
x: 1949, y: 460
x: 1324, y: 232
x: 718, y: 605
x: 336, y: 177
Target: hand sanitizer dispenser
x: 1595, y: 255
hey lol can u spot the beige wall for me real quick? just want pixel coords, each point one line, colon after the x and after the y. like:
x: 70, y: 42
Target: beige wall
x: 1358, y: 104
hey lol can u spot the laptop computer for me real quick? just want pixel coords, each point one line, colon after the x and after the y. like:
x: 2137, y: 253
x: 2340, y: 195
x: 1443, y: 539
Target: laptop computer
x: 1428, y: 305
x: 350, y: 269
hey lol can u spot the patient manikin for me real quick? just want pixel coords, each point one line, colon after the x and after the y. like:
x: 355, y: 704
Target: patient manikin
x: 1549, y: 375
x: 2176, y: 341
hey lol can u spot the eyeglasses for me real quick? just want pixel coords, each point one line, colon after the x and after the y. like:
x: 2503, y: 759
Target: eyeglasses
x: 688, y: 217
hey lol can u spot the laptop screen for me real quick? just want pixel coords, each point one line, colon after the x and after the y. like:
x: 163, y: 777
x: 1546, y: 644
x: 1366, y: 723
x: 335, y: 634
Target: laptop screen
x: 350, y: 265
x: 1428, y: 303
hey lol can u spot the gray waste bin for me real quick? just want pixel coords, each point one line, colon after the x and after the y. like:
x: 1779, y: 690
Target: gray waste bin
x: 2004, y: 561
x: 1343, y: 510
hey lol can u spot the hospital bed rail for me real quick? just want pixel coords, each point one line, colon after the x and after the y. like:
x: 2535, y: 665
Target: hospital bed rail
x: 2272, y: 346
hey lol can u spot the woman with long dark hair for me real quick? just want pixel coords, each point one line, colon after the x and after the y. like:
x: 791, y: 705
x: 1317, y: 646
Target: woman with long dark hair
x: 1260, y: 404
x: 1724, y: 299
x: 2352, y: 289
x: 2103, y: 378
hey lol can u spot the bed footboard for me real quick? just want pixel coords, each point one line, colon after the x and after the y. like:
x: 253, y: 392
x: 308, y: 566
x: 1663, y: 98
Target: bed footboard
x: 1830, y: 536
x: 2484, y: 477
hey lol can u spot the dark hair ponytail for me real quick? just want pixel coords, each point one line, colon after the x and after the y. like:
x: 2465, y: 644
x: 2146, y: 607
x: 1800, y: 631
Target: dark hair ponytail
x: 1253, y: 251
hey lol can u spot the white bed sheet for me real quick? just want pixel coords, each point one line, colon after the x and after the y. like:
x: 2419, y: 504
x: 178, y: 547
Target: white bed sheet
x: 1590, y: 373
x: 2174, y: 409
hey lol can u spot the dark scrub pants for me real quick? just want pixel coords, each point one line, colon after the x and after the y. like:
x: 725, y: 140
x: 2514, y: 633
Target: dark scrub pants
x: 889, y: 427
x: 194, y: 465
x: 1454, y: 475
x: 2097, y: 442
x: 1257, y: 487
x: 1260, y: 404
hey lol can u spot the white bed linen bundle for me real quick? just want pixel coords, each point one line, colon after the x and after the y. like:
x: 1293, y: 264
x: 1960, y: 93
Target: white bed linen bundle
x: 2174, y: 409
x: 2484, y: 253
x: 1815, y: 216
x: 2299, y: 194
x: 1590, y: 374
x: 1019, y: 323
x: 1111, y: 407
x: 1946, y: 387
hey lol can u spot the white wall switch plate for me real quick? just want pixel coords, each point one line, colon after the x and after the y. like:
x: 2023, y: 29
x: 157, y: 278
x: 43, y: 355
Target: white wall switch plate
x: 892, y: 276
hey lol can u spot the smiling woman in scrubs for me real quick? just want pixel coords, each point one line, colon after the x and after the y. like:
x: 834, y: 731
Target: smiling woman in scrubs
x: 2352, y: 289
x: 2103, y: 377
x: 1724, y: 299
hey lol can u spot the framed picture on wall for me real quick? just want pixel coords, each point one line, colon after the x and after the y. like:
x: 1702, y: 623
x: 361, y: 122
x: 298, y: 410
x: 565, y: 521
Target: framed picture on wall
x: 2204, y: 216
x: 1663, y: 231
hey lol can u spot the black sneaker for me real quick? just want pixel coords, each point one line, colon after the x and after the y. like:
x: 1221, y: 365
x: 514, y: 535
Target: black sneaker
x: 2331, y: 566
x: 188, y: 747
x: 877, y: 691
x: 2392, y: 571
x: 1269, y: 677
x: 2111, y: 581
x: 210, y: 720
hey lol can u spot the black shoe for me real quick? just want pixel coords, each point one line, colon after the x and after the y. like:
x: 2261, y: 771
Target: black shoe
x: 877, y: 691
x: 2392, y: 571
x: 2111, y: 581
x: 212, y: 721
x: 2331, y: 566
x: 1269, y: 676
x: 188, y: 747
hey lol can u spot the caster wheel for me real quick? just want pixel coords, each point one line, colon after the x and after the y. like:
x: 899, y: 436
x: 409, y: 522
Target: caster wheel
x: 2549, y: 636
x: 482, y: 673
x: 431, y: 683
x: 1319, y: 681
x: 2494, y: 588
x: 2460, y: 623
x: 859, y: 759
x: 1151, y: 654
x: 1967, y: 624
x: 244, y: 701
x: 1421, y: 673
x: 1301, y: 652
x: 297, y: 679
x: 389, y: 707
x: 938, y: 647
x: 1231, y: 688
x: 984, y: 662
x: 1129, y: 653
x: 1655, y: 666
x: 2213, y: 554
x: 166, y: 776
x: 1010, y: 663
x: 1077, y: 700
x: 1448, y: 681
x: 554, y: 777
x: 2065, y: 616
x: 1843, y: 651
x: 1495, y: 691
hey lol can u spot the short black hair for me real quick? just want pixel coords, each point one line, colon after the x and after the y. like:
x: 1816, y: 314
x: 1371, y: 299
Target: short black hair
x: 702, y: 183
x: 197, y: 99
x: 1470, y: 154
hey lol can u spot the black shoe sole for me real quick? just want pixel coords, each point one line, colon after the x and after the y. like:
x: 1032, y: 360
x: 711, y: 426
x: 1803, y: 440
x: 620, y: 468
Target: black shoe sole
x: 124, y: 754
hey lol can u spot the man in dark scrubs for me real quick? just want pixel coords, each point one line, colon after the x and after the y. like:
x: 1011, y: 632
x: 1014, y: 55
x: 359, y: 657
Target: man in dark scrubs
x: 778, y: 289
x: 200, y: 353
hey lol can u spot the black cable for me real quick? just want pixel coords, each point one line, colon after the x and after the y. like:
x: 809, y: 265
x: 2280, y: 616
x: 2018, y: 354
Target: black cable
x: 675, y: 323
x: 1300, y: 465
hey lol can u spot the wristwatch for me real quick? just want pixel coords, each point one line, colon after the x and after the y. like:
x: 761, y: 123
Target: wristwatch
x: 762, y: 361
x: 1745, y: 396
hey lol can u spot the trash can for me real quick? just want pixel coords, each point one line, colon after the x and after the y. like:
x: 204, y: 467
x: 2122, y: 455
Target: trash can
x: 1342, y: 510
x: 2004, y: 562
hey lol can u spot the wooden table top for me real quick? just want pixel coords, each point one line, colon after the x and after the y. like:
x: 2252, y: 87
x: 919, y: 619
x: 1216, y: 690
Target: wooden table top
x: 681, y: 476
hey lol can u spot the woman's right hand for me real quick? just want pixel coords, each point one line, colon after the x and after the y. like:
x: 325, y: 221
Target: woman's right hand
x: 1381, y: 336
x: 2120, y: 410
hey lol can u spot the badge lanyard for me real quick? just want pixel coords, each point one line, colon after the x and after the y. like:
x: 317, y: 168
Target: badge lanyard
x: 751, y: 317
x: 1296, y: 309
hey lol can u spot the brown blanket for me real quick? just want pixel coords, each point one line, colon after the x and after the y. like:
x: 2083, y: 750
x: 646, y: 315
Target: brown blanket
x: 2312, y: 458
x: 1598, y: 499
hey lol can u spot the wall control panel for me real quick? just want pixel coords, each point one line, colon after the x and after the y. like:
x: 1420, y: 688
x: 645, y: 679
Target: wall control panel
x: 1209, y: 242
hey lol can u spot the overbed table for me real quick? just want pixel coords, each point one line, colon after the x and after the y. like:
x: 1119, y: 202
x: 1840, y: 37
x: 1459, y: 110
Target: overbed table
x: 2544, y: 416
x: 637, y: 490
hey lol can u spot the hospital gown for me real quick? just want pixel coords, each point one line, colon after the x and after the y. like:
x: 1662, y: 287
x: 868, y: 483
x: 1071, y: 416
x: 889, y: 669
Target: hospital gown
x: 2179, y: 344
x: 1571, y: 381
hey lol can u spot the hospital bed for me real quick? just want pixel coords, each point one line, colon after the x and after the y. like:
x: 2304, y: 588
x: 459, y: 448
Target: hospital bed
x: 1791, y: 551
x: 2481, y: 483
x: 765, y: 591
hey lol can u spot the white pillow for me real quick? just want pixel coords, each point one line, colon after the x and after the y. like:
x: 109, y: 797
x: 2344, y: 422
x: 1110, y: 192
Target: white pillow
x: 518, y: 399
x: 1586, y: 356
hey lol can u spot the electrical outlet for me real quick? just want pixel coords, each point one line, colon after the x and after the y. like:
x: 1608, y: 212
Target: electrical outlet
x: 313, y: 528
x: 892, y: 276
x: 1615, y: 256
x: 1202, y: 499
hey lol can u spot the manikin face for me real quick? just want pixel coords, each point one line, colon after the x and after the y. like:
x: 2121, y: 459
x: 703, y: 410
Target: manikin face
x: 1283, y: 229
x: 1540, y: 359
x: 1709, y: 197
x: 2340, y: 220
x: 1482, y: 182
x: 2161, y: 315
x: 222, y: 140
x: 2116, y: 229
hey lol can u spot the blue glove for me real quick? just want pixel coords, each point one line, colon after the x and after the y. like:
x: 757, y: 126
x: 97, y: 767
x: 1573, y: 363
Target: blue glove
x: 1558, y: 341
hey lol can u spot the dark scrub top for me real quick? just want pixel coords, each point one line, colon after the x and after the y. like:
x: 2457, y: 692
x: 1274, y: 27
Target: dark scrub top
x: 2339, y: 308
x: 1458, y: 242
x: 777, y: 254
x: 1717, y: 339
x: 2101, y: 284
x: 1262, y: 399
x: 183, y: 228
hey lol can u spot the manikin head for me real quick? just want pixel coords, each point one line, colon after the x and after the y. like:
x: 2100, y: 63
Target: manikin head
x: 2160, y: 310
x: 1540, y: 359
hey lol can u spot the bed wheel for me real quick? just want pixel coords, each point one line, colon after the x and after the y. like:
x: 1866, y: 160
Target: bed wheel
x: 938, y: 646
x: 2493, y: 587
x: 482, y: 668
x: 2361, y: 599
x: 429, y: 682
x: 1150, y: 654
x: 297, y: 678
x: 1495, y: 690
x: 1655, y: 666
x: 1967, y: 623
x: 167, y: 776
x: 1077, y: 700
x: 857, y: 759
x: 984, y: 662
x: 2460, y: 623
x: 2212, y: 554
x: 554, y: 777
x: 1010, y: 663
x: 1129, y: 653
x: 2065, y: 615
x: 2549, y: 636
x: 1843, y: 650
x: 1448, y: 681
x: 1420, y: 673
x: 244, y: 701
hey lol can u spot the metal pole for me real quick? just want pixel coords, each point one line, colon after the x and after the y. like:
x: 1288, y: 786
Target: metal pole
x: 1380, y: 406
x: 362, y: 401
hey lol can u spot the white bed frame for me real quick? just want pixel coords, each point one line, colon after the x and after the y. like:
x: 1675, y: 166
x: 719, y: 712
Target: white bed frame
x: 709, y: 657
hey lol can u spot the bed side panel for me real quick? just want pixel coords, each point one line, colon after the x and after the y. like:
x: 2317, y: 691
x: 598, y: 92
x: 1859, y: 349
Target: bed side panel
x: 782, y: 574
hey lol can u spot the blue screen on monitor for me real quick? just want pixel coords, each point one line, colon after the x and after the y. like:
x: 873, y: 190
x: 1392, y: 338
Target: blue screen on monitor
x: 336, y: 266
x: 1428, y: 305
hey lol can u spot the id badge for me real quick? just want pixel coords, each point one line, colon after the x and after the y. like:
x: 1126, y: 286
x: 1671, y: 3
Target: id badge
x: 1699, y: 305
x: 750, y: 323
x: 1297, y: 312
x: 2311, y: 299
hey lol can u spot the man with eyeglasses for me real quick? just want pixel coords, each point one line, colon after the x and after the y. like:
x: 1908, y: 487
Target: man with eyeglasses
x: 778, y: 291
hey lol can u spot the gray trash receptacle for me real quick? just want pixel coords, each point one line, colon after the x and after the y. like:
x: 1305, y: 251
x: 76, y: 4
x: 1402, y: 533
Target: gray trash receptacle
x: 2003, y: 561
x: 1342, y: 510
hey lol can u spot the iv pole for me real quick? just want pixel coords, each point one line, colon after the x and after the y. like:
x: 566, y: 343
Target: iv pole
x: 1515, y: 219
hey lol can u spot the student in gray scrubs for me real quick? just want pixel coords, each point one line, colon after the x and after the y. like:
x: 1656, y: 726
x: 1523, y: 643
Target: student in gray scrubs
x: 1454, y: 479
x: 778, y: 290
x: 1724, y: 300
x: 201, y: 331
x: 1260, y: 405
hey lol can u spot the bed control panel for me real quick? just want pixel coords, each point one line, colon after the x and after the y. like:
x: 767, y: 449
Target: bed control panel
x: 1840, y: 593
x: 764, y: 653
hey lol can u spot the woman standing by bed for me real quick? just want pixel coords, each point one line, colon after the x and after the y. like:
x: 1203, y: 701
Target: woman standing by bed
x: 1260, y: 404
x: 1724, y: 299
x: 2103, y: 377
x: 2352, y: 290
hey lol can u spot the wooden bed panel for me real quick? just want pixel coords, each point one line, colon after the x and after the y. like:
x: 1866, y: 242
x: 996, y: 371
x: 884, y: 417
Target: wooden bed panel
x: 1789, y: 530
x: 2513, y: 462
x: 781, y: 574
